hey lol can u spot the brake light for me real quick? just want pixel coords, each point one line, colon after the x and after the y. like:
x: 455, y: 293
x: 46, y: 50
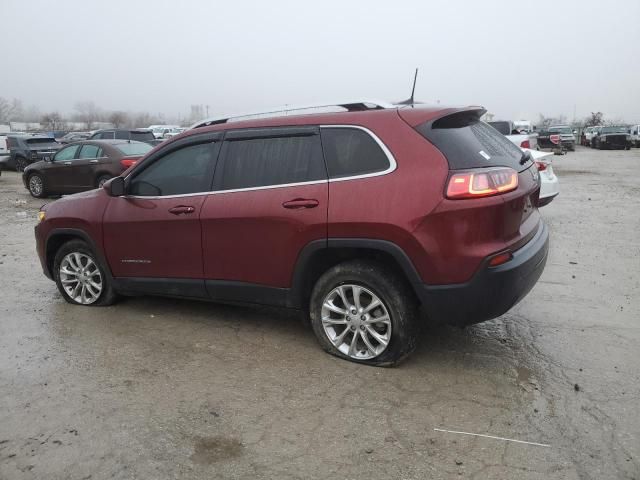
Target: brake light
x: 541, y: 166
x: 525, y: 144
x: 482, y: 183
x: 128, y: 162
x: 555, y: 139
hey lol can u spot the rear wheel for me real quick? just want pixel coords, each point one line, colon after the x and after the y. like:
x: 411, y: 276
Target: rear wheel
x: 80, y: 278
x: 36, y: 185
x: 21, y: 164
x: 102, y: 179
x: 363, y: 312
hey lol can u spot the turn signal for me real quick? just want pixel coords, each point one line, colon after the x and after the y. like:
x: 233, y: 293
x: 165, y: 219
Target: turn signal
x: 482, y: 183
x: 41, y: 215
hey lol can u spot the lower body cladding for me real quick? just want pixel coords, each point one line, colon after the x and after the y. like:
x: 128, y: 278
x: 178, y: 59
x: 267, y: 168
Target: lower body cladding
x: 493, y: 290
x: 490, y: 293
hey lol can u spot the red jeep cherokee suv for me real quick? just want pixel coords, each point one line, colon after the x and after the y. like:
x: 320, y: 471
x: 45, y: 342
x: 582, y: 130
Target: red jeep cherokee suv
x: 362, y: 217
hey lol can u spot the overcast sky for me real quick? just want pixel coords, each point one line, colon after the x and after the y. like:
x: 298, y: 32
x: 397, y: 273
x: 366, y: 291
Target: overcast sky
x: 518, y: 59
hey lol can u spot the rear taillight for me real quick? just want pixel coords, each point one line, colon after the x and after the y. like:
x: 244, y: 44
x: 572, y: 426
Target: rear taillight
x: 482, y: 183
x: 541, y: 166
x: 128, y: 162
x: 555, y: 139
x: 525, y: 144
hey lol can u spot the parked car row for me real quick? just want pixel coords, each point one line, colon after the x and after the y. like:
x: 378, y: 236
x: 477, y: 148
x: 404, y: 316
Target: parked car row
x: 610, y: 137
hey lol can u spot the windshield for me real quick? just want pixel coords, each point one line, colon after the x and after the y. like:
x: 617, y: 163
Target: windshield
x: 614, y: 130
x: 566, y: 130
x: 134, y: 148
x: 502, y: 127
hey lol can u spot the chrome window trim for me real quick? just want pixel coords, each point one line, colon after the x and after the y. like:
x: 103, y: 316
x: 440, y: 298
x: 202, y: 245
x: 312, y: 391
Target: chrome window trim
x: 392, y: 167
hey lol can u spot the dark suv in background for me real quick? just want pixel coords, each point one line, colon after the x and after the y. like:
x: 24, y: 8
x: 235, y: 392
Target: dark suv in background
x: 359, y: 218
x: 24, y: 150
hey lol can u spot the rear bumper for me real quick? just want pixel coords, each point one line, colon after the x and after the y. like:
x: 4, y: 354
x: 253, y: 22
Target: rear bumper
x: 492, y: 291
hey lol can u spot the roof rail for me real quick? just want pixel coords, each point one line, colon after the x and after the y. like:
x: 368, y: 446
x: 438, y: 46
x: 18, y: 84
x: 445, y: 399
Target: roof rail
x: 350, y: 106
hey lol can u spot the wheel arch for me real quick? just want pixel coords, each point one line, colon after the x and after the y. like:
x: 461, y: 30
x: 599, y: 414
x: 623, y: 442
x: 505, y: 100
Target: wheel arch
x: 59, y: 236
x: 320, y: 255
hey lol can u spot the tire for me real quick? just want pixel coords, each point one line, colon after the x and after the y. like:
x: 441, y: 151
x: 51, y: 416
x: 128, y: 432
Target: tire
x: 373, y: 280
x: 21, y: 164
x: 72, y: 257
x: 102, y: 179
x: 36, y: 186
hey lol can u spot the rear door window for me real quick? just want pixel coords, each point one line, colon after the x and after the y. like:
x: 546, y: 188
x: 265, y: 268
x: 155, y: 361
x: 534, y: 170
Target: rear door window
x: 180, y: 172
x: 351, y: 152
x: 270, y: 160
x: 89, y: 151
x: 107, y: 135
x: 467, y: 142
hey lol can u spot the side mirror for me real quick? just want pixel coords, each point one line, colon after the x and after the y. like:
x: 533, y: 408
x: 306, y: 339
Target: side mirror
x: 575, y: 131
x: 115, y: 187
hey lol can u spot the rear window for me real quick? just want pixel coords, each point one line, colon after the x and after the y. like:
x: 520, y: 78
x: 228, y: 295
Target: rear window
x: 502, y: 127
x: 40, y: 141
x: 350, y: 152
x: 134, y: 148
x: 467, y: 142
x: 142, y: 136
x: 563, y: 130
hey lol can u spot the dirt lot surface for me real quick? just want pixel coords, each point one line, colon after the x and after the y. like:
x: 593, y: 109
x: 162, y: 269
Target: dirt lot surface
x: 156, y: 388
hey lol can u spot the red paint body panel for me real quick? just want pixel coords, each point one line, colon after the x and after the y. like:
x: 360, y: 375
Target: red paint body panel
x: 143, y: 239
x: 249, y: 236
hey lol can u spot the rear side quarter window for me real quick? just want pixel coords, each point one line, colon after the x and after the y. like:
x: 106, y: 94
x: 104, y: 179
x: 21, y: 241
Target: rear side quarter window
x: 351, y: 152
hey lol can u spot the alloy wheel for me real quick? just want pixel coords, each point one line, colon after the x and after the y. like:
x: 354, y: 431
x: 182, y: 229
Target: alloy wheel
x: 356, y: 321
x: 81, y: 278
x: 35, y: 185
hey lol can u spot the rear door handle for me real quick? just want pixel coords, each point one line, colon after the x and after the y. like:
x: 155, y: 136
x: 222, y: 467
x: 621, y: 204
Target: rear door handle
x: 301, y: 203
x: 182, y: 209
x: 93, y: 161
x: 67, y: 163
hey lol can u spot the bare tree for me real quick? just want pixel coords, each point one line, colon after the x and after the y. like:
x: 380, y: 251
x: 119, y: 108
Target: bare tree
x: 4, y: 110
x: 88, y: 113
x: 118, y: 118
x: 596, y: 118
x: 53, y: 121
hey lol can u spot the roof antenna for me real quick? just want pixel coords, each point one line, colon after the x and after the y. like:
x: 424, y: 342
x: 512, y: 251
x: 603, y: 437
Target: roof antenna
x: 409, y: 101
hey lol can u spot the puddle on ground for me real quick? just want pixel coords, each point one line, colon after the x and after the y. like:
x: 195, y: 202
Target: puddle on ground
x: 210, y: 450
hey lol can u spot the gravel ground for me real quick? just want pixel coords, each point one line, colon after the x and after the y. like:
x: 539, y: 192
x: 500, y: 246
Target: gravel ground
x: 156, y: 388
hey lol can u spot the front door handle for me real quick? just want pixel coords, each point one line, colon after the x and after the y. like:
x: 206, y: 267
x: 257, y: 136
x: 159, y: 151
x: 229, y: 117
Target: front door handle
x: 301, y: 203
x: 182, y: 209
x: 67, y: 163
x: 93, y: 161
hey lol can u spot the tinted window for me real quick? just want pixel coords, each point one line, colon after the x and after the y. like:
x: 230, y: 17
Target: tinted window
x: 187, y: 170
x: 350, y: 151
x: 142, y: 136
x: 134, y: 148
x: 66, y: 153
x: 89, y: 151
x: 467, y: 142
x: 502, y: 127
x: 106, y: 135
x: 122, y: 135
x: 40, y: 142
x: 271, y: 161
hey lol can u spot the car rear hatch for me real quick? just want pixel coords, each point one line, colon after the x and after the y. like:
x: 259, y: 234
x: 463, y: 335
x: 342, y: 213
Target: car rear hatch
x: 42, y: 147
x: 496, y: 209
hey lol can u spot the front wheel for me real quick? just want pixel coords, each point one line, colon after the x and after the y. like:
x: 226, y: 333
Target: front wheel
x: 102, y: 180
x: 80, y: 278
x: 363, y: 312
